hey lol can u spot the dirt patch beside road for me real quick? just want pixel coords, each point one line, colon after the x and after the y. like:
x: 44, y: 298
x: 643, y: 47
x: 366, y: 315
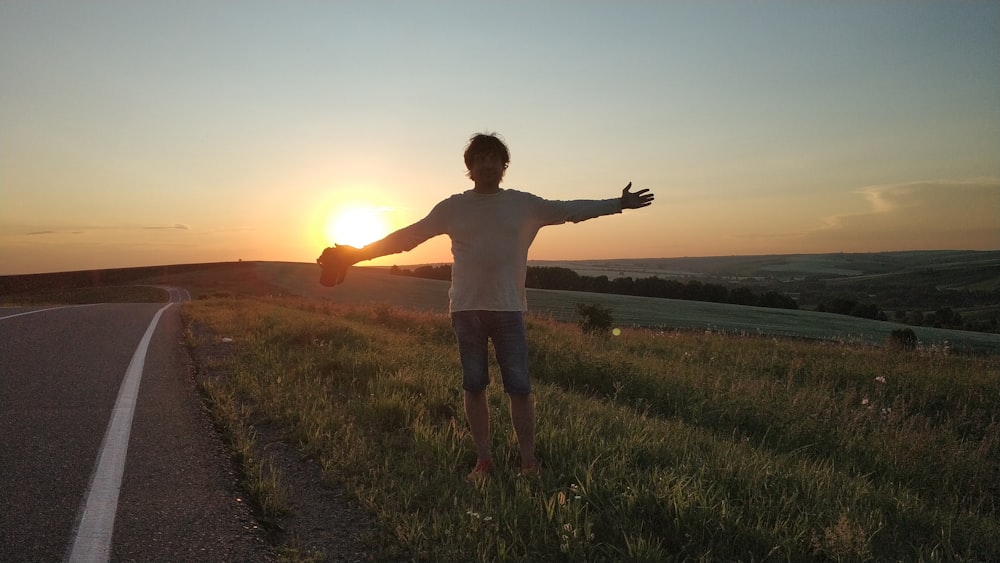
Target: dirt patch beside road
x: 323, y: 522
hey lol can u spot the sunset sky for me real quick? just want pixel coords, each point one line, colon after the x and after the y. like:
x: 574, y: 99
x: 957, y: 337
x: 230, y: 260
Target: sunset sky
x: 143, y: 133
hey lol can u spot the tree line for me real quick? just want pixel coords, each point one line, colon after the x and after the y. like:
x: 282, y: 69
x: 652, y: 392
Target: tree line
x: 554, y: 277
x: 919, y: 306
x: 942, y: 317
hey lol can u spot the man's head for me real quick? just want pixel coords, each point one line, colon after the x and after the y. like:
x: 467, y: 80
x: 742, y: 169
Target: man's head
x: 486, y: 147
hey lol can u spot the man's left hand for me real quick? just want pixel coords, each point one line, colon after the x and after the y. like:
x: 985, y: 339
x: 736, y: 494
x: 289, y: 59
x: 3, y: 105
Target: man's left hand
x: 635, y: 200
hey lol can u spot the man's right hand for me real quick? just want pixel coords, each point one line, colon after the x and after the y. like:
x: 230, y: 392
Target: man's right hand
x: 334, y: 262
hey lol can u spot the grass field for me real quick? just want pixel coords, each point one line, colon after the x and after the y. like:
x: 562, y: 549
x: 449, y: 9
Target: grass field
x: 724, y: 443
x: 365, y: 285
x: 658, y: 445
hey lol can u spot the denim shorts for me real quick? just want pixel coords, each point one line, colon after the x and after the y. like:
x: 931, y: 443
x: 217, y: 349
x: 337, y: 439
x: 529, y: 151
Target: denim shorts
x: 473, y: 330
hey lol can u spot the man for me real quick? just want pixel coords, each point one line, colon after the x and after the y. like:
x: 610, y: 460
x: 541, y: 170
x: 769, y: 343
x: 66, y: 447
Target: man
x: 491, y: 229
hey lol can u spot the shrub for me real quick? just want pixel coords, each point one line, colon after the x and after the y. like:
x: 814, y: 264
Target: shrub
x: 903, y: 338
x: 594, y: 318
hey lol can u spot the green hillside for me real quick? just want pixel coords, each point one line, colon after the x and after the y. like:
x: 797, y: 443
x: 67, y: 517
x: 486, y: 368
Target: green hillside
x: 372, y: 285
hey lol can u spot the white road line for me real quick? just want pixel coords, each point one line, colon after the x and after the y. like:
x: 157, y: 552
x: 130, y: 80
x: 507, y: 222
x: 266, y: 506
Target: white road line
x: 42, y: 311
x: 181, y: 296
x: 92, y: 542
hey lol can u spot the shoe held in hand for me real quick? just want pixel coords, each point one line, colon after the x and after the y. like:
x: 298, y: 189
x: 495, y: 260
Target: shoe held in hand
x: 334, y: 264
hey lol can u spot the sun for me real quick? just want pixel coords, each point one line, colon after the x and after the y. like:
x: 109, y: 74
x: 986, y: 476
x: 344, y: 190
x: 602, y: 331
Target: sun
x: 355, y: 226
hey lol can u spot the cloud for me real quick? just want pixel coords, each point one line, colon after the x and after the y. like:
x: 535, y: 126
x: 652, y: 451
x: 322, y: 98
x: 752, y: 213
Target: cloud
x: 96, y: 230
x: 230, y: 230
x: 930, y: 203
x: 51, y: 232
x: 919, y: 215
x: 177, y: 226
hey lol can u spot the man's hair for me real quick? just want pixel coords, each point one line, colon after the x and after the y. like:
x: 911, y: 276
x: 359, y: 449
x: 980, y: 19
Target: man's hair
x: 485, y: 143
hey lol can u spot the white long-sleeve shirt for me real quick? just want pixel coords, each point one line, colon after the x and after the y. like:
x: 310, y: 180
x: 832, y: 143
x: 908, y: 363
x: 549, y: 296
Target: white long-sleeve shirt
x: 490, y: 235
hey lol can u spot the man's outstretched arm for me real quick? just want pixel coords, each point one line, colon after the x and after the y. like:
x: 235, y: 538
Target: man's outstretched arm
x: 336, y: 259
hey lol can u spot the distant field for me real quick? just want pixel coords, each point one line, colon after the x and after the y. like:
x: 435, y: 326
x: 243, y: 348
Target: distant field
x: 978, y: 264
x: 365, y: 285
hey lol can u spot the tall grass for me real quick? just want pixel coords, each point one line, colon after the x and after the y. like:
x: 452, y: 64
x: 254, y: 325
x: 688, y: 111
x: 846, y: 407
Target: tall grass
x: 657, y: 446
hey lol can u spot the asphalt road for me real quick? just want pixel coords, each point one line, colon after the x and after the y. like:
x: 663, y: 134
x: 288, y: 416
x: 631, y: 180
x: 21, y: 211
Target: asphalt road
x: 106, y: 452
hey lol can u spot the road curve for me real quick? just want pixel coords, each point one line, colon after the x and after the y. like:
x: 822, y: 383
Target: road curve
x: 64, y: 385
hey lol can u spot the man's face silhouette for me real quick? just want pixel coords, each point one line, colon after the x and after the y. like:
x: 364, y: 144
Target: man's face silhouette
x: 487, y: 168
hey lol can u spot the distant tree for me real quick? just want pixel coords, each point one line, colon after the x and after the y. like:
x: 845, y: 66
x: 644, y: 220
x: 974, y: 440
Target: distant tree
x: 440, y: 272
x: 693, y: 291
x: 742, y: 296
x: 674, y: 289
x: 776, y: 300
x: 714, y: 293
x: 623, y: 286
x: 842, y: 306
x: 945, y: 316
x: 552, y: 277
x: 865, y: 311
x: 599, y: 284
x: 651, y: 287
